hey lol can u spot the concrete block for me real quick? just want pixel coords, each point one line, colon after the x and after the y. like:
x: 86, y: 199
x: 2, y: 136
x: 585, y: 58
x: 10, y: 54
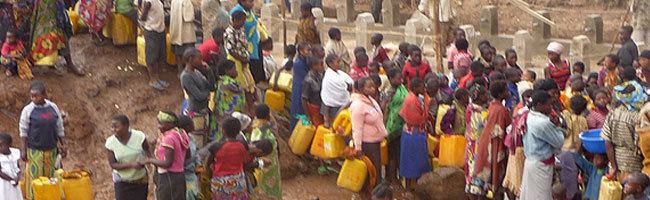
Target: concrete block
x: 579, y: 47
x: 540, y: 29
x: 415, y: 27
x: 594, y: 28
x: 489, y: 24
x: 345, y: 11
x: 365, y: 21
x: 320, y: 17
x: 522, y: 45
x: 270, y: 16
x: 295, y: 8
x: 390, y: 13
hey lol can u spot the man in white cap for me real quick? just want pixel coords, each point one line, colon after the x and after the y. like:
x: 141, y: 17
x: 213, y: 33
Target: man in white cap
x: 557, y: 68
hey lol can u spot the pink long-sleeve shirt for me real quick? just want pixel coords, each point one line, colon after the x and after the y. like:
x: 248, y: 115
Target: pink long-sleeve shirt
x: 367, y: 121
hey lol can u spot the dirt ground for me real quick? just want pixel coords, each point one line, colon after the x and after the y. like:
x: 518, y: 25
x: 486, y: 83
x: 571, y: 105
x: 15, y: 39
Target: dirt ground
x: 115, y: 84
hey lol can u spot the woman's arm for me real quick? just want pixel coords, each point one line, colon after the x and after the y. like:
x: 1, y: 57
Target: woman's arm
x: 357, y: 118
x: 192, y: 89
x: 145, y: 10
x: 169, y: 159
x: 147, y: 150
x: 120, y: 166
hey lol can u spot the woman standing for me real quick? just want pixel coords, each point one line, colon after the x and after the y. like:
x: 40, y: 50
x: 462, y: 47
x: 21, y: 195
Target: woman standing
x: 198, y: 87
x: 542, y: 140
x: 414, y: 156
x: 50, y: 34
x: 491, y: 152
x: 126, y: 156
x: 368, y: 130
x: 265, y: 128
x: 253, y: 37
x: 557, y: 68
x: 475, y: 117
x: 170, y: 156
x: 41, y: 128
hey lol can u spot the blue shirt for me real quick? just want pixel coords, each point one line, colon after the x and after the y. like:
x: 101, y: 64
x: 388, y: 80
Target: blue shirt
x: 514, y: 96
x: 543, y: 138
x: 595, y: 174
x: 300, y: 70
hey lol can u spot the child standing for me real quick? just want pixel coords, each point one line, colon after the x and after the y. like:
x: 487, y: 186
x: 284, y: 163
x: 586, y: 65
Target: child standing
x: 311, y: 88
x: 265, y: 128
x: 379, y: 54
x: 230, y: 94
x: 526, y: 83
x: 237, y: 46
x: 373, y: 69
x: 228, y: 177
x: 336, y: 46
x: 635, y: 184
x: 360, y: 67
x: 9, y: 169
x: 270, y: 66
x: 307, y: 31
x: 463, y: 58
x: 191, y: 161
x: 414, y: 158
x: 336, y: 88
x: 403, y: 55
x: 490, y: 156
x: 511, y: 58
x: 415, y: 67
x: 513, y: 75
x: 13, y: 57
x: 474, y: 122
x: 610, y: 75
x: 393, y: 98
x: 169, y: 158
x: 597, y: 115
x: 595, y: 170
x: 453, y: 122
x: 576, y: 124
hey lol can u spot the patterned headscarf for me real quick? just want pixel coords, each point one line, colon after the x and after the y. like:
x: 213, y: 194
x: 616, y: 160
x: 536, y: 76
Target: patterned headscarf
x: 475, y: 90
x: 164, y: 117
x: 632, y: 100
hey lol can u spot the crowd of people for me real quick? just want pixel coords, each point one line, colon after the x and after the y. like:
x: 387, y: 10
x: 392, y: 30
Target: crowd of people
x: 521, y: 133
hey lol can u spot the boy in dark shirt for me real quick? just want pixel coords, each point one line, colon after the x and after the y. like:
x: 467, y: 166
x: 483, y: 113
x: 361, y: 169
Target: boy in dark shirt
x: 311, y: 87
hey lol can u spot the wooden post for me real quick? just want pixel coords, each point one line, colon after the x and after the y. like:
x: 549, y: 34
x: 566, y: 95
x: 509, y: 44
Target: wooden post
x: 284, y: 23
x: 437, y: 34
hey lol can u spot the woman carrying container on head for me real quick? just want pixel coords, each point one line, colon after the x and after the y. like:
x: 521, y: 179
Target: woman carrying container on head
x: 368, y: 130
x: 41, y: 128
x: 126, y: 156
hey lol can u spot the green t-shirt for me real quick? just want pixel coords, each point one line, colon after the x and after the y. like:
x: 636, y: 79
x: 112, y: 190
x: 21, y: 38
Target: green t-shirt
x: 124, y: 6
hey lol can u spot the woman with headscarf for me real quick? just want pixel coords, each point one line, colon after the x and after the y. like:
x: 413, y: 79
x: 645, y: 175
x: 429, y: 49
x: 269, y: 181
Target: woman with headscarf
x: 253, y: 36
x: 41, y: 128
x: 557, y: 68
x: 475, y: 117
x: 542, y: 140
x: 169, y: 158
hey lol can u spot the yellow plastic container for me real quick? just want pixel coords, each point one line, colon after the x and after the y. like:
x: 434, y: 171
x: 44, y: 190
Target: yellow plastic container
x: 342, y: 123
x: 432, y: 143
x: 435, y: 163
x: 301, y: 137
x: 77, y: 185
x: 452, y: 150
x: 122, y: 29
x: 318, y: 143
x: 353, y: 175
x: 442, y: 110
x: 285, y: 81
x: 333, y: 145
x: 46, y: 188
x: 74, y: 19
x: 610, y: 189
x: 171, y: 57
x: 22, y: 188
x: 384, y: 152
x: 274, y: 99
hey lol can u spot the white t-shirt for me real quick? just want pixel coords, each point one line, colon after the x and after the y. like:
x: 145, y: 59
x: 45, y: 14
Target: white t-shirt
x: 334, y: 91
x: 155, y: 17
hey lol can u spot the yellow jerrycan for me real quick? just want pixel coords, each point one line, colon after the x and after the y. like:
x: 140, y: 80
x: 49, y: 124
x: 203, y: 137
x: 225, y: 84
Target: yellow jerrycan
x: 46, y: 188
x: 74, y: 19
x: 342, y: 123
x: 301, y: 136
x: 122, y: 29
x: 384, y: 152
x: 452, y: 150
x: 142, y: 59
x: 333, y: 145
x: 610, y: 189
x: 318, y: 143
x: 77, y: 185
x: 274, y: 99
x: 432, y: 143
x: 285, y: 81
x: 353, y: 175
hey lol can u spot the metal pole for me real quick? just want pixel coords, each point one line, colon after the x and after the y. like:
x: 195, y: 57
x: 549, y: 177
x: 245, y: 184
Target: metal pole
x: 437, y: 37
x: 284, y: 23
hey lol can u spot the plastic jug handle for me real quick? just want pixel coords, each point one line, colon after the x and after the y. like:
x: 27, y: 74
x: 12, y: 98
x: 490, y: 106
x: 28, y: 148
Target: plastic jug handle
x: 303, y: 119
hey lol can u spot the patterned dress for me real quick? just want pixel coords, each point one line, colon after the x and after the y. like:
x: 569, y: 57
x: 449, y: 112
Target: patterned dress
x: 236, y: 43
x: 228, y: 101
x: 49, y: 29
x: 95, y: 13
x: 307, y: 31
x: 475, y: 118
x: 268, y: 178
x: 491, y: 148
x: 23, y: 13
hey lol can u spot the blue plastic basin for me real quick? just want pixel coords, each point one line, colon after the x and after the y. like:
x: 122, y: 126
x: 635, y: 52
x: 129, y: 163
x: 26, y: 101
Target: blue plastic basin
x: 592, y: 141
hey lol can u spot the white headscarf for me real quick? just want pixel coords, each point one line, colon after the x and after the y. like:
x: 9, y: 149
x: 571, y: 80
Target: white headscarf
x: 244, y: 120
x: 555, y: 47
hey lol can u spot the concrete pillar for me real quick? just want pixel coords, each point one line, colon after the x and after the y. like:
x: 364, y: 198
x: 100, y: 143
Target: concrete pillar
x: 390, y: 13
x: 364, y: 22
x: 594, y: 28
x: 271, y: 18
x: 489, y: 24
x: 522, y: 45
x: 345, y: 11
x: 471, y: 37
x: 320, y: 17
x: 540, y: 29
x: 579, y: 47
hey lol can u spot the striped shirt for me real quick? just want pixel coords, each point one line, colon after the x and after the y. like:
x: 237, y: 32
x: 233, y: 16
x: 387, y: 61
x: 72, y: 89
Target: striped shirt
x: 619, y: 130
